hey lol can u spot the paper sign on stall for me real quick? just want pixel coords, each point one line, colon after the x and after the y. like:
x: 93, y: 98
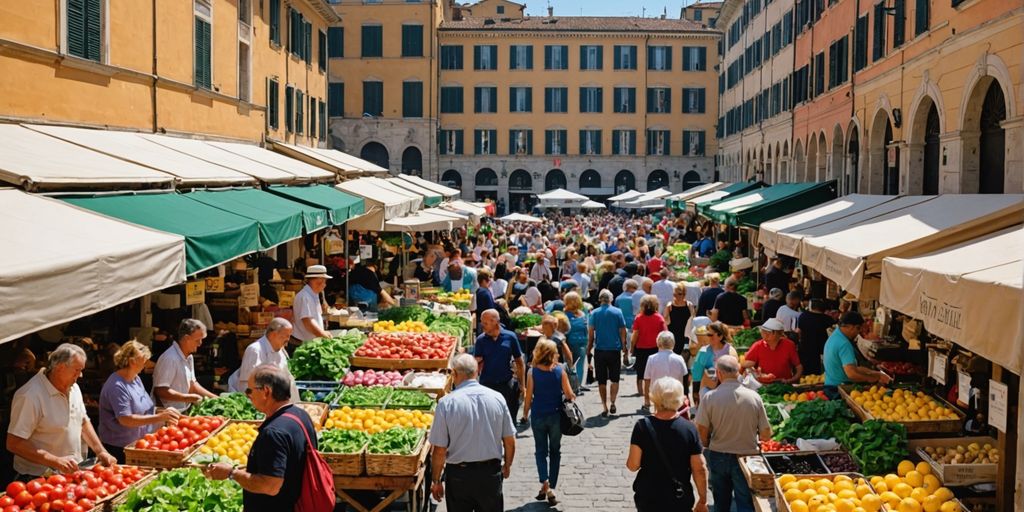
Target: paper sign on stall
x: 215, y: 284
x: 963, y: 394
x: 195, y: 292
x: 334, y: 245
x: 250, y: 295
x: 937, y: 369
x: 285, y: 298
x: 365, y: 252
x: 998, y: 393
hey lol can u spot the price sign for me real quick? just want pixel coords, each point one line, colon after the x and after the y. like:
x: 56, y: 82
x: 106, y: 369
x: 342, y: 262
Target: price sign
x: 963, y: 393
x: 195, y: 292
x: 365, y: 252
x: 335, y: 246
x: 937, y: 370
x: 285, y: 298
x: 250, y: 295
x: 215, y: 284
x: 998, y: 393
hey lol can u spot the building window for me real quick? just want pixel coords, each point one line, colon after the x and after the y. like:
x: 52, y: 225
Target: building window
x: 556, y: 100
x: 625, y: 57
x: 321, y: 50
x: 554, y: 142
x: 819, y: 73
x: 335, y: 99
x: 485, y: 57
x: 373, y: 41
x: 335, y: 42
x: 520, y: 56
x: 922, y: 13
x: 485, y: 100
x: 590, y: 100
x: 451, y: 100
x: 500, y: 9
x: 84, y: 22
x: 899, y: 23
x: 838, y: 62
x: 693, y: 101
x: 623, y: 142
x: 590, y: 142
x: 373, y: 98
x: 451, y: 56
x: 591, y: 57
x: 624, y: 100
x: 659, y: 58
x: 878, y: 48
x: 485, y: 142
x: 244, y: 73
x: 659, y: 100
x: 658, y: 142
x: 556, y: 57
x: 322, y: 109
x: 860, y: 44
x: 289, y: 108
x: 412, y: 40
x: 300, y: 110
x: 275, y: 21
x: 300, y: 36
x: 313, y: 124
x: 202, y: 71
x: 520, y: 142
x: 451, y: 142
x: 695, y: 58
x: 698, y: 15
x: 693, y: 143
x: 520, y: 99
x: 273, y: 105
x: 412, y: 99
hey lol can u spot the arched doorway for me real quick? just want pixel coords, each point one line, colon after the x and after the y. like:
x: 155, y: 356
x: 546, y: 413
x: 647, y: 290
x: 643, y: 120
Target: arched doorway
x: 452, y: 178
x: 880, y: 175
x: 657, y: 179
x: 837, y: 155
x: 853, y: 153
x: 485, y: 184
x: 932, y: 132
x: 691, y: 179
x: 797, y: 168
x: 624, y: 181
x: 812, y: 159
x: 786, y: 164
x: 821, y: 171
x: 412, y: 161
x: 590, y: 179
x: 992, y: 170
x: 375, y: 153
x: 555, y: 179
x: 520, y: 190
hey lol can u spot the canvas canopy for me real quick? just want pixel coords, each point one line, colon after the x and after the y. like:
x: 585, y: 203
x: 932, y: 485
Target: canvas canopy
x: 382, y: 204
x: 465, y: 206
x: 560, y: 198
x: 134, y: 147
x: 279, y: 219
x: 35, y: 160
x: 335, y: 161
x: 694, y: 203
x: 771, y: 232
x: 625, y: 196
x: 679, y: 200
x: 430, y: 197
x: 592, y: 205
x: 520, y: 217
x: 213, y: 155
x: 359, y: 164
x: 423, y: 220
x: 650, y: 199
x: 752, y: 208
x: 446, y: 192
x: 61, y: 263
x: 340, y: 206
x: 970, y: 293
x: 854, y: 254
x: 301, y: 170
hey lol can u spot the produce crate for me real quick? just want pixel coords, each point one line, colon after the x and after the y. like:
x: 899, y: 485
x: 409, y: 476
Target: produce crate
x: 317, y: 412
x: 824, y: 460
x: 162, y: 459
x: 347, y: 464
x: 371, y: 406
x: 758, y: 474
x: 437, y: 391
x: 403, y: 364
x: 397, y: 465
x: 810, y: 458
x: 780, y: 500
x: 956, y: 475
x: 913, y: 427
x: 110, y: 503
x: 430, y: 407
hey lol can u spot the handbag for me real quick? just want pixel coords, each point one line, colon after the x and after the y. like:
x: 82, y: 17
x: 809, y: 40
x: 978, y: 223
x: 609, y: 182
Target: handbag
x: 571, y: 419
x: 678, y: 487
x: 317, y: 492
x: 574, y: 380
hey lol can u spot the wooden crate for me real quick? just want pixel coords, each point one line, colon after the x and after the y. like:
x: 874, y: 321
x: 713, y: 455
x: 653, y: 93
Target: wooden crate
x: 403, y: 364
x: 436, y: 391
x: 110, y: 503
x: 760, y: 482
x: 346, y: 464
x: 913, y: 427
x: 397, y: 465
x: 955, y: 475
x: 317, y: 412
x: 162, y: 459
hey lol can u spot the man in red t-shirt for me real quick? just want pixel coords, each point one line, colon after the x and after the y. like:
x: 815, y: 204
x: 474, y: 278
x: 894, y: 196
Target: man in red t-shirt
x: 775, y: 354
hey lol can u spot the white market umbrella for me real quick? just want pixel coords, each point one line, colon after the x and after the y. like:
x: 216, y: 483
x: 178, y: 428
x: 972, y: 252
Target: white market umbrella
x: 561, y: 194
x: 520, y: 217
x: 592, y: 204
x: 626, y: 196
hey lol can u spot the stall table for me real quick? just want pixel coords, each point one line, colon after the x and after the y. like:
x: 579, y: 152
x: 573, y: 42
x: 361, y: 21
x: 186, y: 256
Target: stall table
x: 397, y: 485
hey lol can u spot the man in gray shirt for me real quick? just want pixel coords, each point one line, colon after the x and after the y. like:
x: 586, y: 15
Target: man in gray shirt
x: 474, y: 443
x: 729, y: 420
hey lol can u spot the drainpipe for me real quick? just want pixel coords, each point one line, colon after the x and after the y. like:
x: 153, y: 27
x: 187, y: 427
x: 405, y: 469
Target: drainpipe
x: 647, y: 71
x: 432, y: 122
x: 853, y: 102
x: 156, y: 73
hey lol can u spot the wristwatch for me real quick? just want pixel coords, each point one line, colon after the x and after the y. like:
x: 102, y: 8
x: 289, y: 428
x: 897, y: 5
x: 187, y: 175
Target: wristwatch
x: 231, y: 474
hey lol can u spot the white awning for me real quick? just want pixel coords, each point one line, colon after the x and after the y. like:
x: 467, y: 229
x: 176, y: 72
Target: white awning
x: 36, y: 160
x: 697, y: 191
x: 395, y: 189
x: 465, y: 206
x: 445, y: 192
x: 849, y: 256
x: 592, y: 205
x: 651, y: 199
x: 563, y: 195
x: 520, y: 217
x: 971, y: 293
x: 355, y: 162
x: 625, y: 196
x: 424, y: 220
x: 771, y: 233
x: 382, y: 204
x: 60, y: 262
x: 334, y: 160
x: 134, y: 147
x: 298, y: 168
x: 211, y: 154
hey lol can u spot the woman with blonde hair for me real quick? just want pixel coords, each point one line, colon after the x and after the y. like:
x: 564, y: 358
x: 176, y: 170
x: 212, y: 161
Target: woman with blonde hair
x: 644, y: 342
x: 127, y: 412
x: 704, y: 363
x: 578, y: 330
x: 546, y: 384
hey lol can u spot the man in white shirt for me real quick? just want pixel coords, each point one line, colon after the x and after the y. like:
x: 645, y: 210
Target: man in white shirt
x: 174, y: 378
x: 789, y: 313
x: 540, y: 271
x: 666, y: 363
x: 307, y: 310
x: 268, y: 350
x: 663, y: 289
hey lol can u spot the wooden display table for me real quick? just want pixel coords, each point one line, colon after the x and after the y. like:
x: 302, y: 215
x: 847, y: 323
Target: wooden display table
x: 397, y: 485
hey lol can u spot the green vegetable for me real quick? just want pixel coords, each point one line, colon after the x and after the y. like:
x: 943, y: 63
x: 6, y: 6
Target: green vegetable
x: 746, y: 338
x: 184, y: 489
x: 816, y: 419
x: 877, y: 446
x: 307, y: 396
x: 363, y: 396
x: 342, y: 441
x: 455, y: 325
x: 325, y: 358
x: 396, y: 441
x: 774, y: 416
x: 772, y: 393
x: 330, y: 397
x: 720, y: 261
x: 747, y: 285
x: 407, y: 313
x: 526, y: 321
x: 410, y: 399
x: 232, y: 405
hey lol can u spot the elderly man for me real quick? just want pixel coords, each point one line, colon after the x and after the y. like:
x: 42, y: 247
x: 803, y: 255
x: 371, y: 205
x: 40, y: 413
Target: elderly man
x: 541, y: 270
x: 663, y: 289
x: 730, y: 307
x: 497, y: 350
x: 272, y: 478
x: 790, y: 313
x: 607, y: 341
x: 666, y: 363
x: 841, y: 358
x: 308, y: 312
x: 474, y: 443
x: 775, y: 354
x: 268, y: 350
x: 727, y: 419
x: 49, y: 420
x: 174, y: 378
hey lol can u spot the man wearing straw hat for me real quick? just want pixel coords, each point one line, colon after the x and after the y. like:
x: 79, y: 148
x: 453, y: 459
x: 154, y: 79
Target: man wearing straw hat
x: 308, y: 312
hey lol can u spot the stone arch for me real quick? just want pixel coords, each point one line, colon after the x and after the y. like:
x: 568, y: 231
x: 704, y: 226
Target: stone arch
x: 812, y: 159
x: 925, y: 125
x: 798, y: 161
x: 452, y: 178
x: 486, y: 178
x: 520, y: 180
x: 853, y: 157
x: 590, y: 179
x: 983, y: 141
x: 658, y: 178
x: 837, y: 169
x: 691, y: 179
x: 880, y: 175
x: 821, y: 172
x: 624, y: 181
x: 376, y: 153
x: 787, y: 164
x: 412, y: 161
x: 555, y: 179
x: 989, y: 67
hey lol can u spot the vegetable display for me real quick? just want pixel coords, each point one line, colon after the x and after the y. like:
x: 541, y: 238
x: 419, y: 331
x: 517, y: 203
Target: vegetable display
x: 407, y: 346
x: 184, y: 489
x: 235, y: 406
x: 775, y: 392
x: 972, y: 453
x: 409, y: 399
x: 233, y: 443
x: 406, y: 314
x: 777, y: 446
x: 720, y: 261
x: 775, y: 418
x: 395, y: 441
x: 746, y: 285
x: 804, y: 396
x: 876, y: 445
x: 372, y: 378
x: 74, y: 492
x: 901, y: 405
x: 746, y: 338
x: 839, y: 492
x: 679, y: 252
x: 176, y: 438
x: 375, y: 420
x: 325, y: 358
x: 342, y: 441
x: 817, y: 419
x: 455, y: 325
x: 800, y: 464
x: 365, y: 396
x: 391, y: 326
x: 523, y: 322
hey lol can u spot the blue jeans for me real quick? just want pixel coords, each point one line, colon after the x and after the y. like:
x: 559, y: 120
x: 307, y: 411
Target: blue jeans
x: 727, y: 482
x: 547, y: 439
x: 579, y: 357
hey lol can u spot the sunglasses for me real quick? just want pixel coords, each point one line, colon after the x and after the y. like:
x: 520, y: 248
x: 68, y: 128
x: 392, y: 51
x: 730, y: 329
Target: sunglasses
x: 248, y: 391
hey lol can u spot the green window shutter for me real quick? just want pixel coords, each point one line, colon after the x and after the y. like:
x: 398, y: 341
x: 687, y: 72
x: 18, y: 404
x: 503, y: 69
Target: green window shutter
x: 617, y: 57
x: 93, y: 29
x: 289, y: 107
x: 322, y: 108
x: 686, y: 142
x: 616, y: 147
x: 549, y: 136
x: 700, y: 143
x: 899, y: 27
x: 529, y: 57
x: 548, y: 50
x: 201, y: 65
x: 513, y: 62
x: 76, y: 27
x: 632, y: 141
x: 275, y: 21
x: 412, y: 99
x: 336, y: 99
x: 308, y: 44
x: 300, y: 108
x: 373, y: 98
x: 272, y: 100
x: 921, y: 16
x: 312, y: 118
x: 459, y: 149
x: 372, y: 40
x: 529, y: 99
x: 321, y: 50
x: 412, y: 40
x: 476, y: 57
x: 336, y: 42
x: 494, y: 56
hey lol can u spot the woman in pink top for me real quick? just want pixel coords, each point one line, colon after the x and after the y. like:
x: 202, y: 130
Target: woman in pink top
x: 644, y: 343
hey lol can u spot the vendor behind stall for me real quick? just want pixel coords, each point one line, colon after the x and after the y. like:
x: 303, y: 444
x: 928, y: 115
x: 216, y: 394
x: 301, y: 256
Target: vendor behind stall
x: 307, y: 309
x: 174, y: 378
x: 774, y: 354
x: 841, y: 358
x: 268, y: 350
x: 50, y: 421
x: 364, y: 286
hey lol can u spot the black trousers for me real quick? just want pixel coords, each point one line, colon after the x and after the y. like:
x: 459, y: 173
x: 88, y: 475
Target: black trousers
x: 474, y: 487
x: 116, y: 451
x: 510, y: 390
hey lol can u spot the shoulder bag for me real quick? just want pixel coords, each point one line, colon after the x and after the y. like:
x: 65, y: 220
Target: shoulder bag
x: 677, y: 486
x: 317, y: 494
x: 571, y: 419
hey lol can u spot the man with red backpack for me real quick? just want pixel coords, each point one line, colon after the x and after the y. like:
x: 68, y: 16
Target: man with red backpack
x: 285, y: 472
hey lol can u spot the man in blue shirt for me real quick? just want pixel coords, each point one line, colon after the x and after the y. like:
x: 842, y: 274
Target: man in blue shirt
x: 496, y: 350
x: 607, y: 340
x: 841, y: 358
x: 625, y: 302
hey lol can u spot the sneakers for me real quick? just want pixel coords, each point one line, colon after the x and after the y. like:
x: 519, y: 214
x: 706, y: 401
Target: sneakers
x: 612, y: 410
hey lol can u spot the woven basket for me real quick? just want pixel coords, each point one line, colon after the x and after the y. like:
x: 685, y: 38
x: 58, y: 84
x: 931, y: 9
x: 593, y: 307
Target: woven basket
x: 161, y: 459
x: 396, y: 465
x: 346, y: 464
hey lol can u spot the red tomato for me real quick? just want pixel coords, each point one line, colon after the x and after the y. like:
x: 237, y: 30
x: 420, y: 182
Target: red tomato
x: 12, y: 508
x: 23, y: 499
x: 90, y: 495
x: 14, y: 488
x: 40, y: 498
x: 34, y: 486
x: 56, y: 480
x: 45, y: 507
x: 6, y: 501
x: 57, y: 505
x: 80, y: 491
x: 74, y: 508
x: 86, y: 504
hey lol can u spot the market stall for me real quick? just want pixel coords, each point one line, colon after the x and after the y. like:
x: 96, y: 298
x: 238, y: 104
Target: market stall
x: 342, y: 164
x: 678, y: 201
x: 381, y: 204
x: 430, y: 197
x: 448, y: 193
x: 651, y: 199
x: 788, y: 229
x: 694, y: 202
x: 592, y: 205
x: 520, y: 217
x: 301, y: 170
x: 752, y: 208
x: 625, y: 196
x: 561, y: 198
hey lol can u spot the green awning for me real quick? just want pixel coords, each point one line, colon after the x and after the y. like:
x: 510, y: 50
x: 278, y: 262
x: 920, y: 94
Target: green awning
x: 430, y: 198
x: 698, y: 203
x: 752, y: 208
x: 280, y: 219
x: 212, y: 236
x: 342, y: 206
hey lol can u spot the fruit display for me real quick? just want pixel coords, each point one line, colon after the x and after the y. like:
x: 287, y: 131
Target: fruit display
x: 372, y: 378
x: 799, y: 464
x: 407, y: 346
x: 395, y: 441
x: 777, y: 446
x: 374, y: 420
x: 233, y: 406
x: 775, y: 392
x: 972, y: 453
x: 184, y: 489
x: 804, y: 396
x: 315, y: 411
x: 325, y: 358
x: 407, y: 313
x: 459, y: 299
x: 74, y: 492
x: 840, y: 493
x: 409, y: 399
x: 901, y: 405
x: 233, y: 442
x: 456, y: 325
x: 176, y: 438
x: 342, y: 441
x: 406, y: 326
x: 913, y: 488
x: 839, y: 462
x: 817, y: 419
x: 894, y: 368
x: 365, y: 396
x: 811, y: 380
x: 876, y: 445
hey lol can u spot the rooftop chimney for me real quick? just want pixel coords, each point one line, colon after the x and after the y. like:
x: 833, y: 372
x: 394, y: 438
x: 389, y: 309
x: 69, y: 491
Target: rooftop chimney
x: 551, y: 11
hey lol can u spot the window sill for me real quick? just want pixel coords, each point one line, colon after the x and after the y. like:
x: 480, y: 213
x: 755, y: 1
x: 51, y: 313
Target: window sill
x: 91, y: 66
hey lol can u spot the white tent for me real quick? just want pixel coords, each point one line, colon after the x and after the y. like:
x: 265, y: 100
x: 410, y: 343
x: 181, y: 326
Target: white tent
x: 969, y: 293
x: 625, y: 196
x: 696, y: 191
x: 853, y: 254
x: 561, y: 198
x: 382, y: 204
x: 424, y: 220
x: 651, y: 199
x: 446, y: 192
x: 364, y: 166
x: 298, y: 168
x: 771, y: 233
x: 211, y: 154
x: 61, y: 262
x: 520, y: 217
x: 333, y: 160
x: 592, y: 205
x: 465, y: 206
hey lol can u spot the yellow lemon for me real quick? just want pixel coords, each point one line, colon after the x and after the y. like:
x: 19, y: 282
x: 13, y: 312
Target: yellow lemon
x: 823, y: 491
x: 817, y: 501
x: 841, y: 485
x: 891, y: 481
x: 890, y: 498
x: 909, y: 505
x: 914, y: 479
x: 902, y: 490
x: 875, y: 479
x: 880, y: 487
x: 845, y: 505
x: 842, y: 478
x: 798, y: 506
x: 824, y: 482
x: 863, y: 490
x: 809, y: 494
x: 949, y: 506
x: 931, y: 483
x: 847, y: 494
x: 905, y: 467
x: 944, y: 494
x: 792, y: 495
x: 932, y: 504
x: 786, y: 479
x: 805, y: 483
x: 871, y: 502
x: 919, y: 494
